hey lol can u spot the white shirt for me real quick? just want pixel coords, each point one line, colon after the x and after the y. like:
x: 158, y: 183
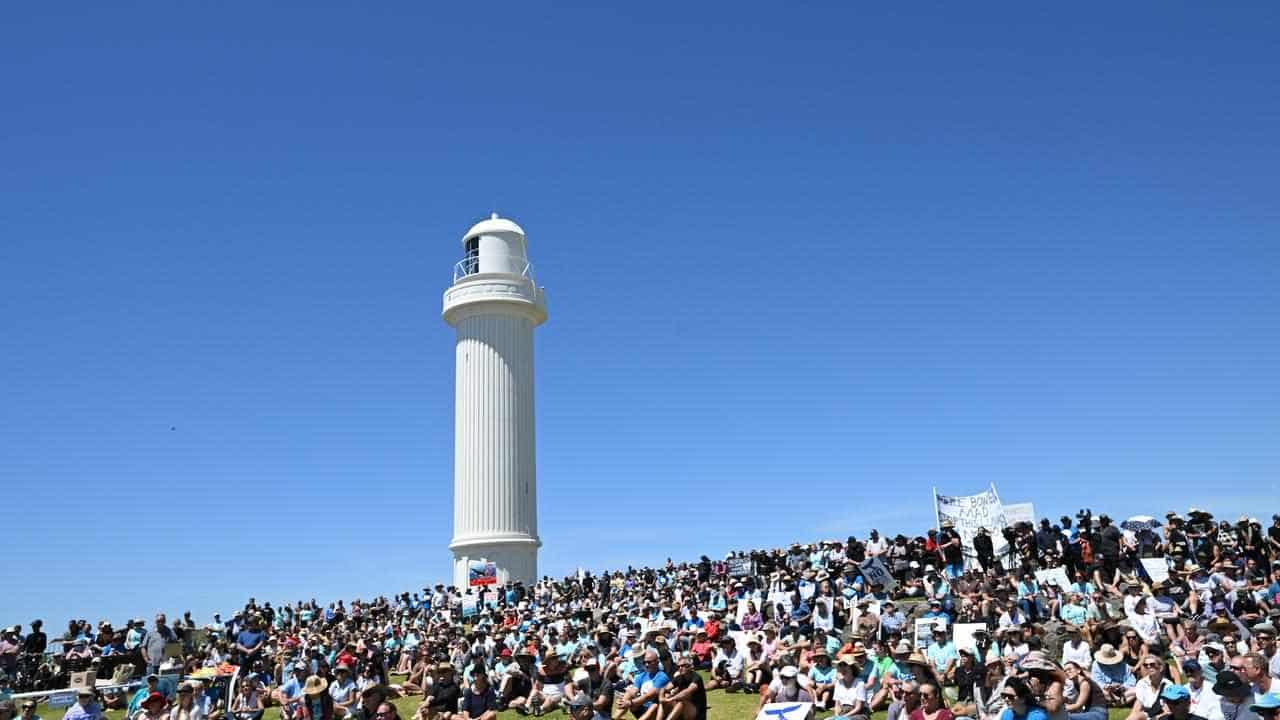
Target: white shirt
x: 1203, y: 701
x: 733, y: 663
x: 850, y: 696
x: 1081, y: 655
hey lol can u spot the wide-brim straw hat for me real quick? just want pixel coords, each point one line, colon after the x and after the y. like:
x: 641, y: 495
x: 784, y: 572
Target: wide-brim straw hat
x: 315, y: 685
x: 1108, y: 655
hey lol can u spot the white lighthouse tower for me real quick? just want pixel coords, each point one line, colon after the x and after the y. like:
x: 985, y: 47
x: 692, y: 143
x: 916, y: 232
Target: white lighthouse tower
x: 494, y: 303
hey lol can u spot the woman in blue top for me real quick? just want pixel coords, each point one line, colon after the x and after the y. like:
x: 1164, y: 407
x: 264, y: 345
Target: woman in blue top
x: 1020, y: 701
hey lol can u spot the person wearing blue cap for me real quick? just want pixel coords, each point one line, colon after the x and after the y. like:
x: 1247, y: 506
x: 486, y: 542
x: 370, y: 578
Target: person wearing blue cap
x: 1267, y: 706
x: 1176, y: 700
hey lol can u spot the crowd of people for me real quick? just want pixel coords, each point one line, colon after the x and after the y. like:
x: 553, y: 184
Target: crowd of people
x: 955, y: 630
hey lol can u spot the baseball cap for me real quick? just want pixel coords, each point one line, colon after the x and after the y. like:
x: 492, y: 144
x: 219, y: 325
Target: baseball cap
x: 1270, y: 701
x: 1174, y: 693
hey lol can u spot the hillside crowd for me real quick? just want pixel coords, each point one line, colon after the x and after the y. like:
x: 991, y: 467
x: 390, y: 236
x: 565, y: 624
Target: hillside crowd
x: 793, y: 625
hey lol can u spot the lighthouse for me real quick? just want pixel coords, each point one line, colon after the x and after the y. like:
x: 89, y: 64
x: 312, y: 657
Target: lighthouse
x: 494, y: 304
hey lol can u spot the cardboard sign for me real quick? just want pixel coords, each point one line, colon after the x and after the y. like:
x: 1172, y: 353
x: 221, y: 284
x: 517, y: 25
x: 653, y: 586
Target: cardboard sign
x: 1157, y: 569
x: 785, y: 711
x: 85, y: 679
x: 874, y: 571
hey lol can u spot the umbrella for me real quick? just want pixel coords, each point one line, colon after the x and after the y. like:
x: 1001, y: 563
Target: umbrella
x: 1138, y: 523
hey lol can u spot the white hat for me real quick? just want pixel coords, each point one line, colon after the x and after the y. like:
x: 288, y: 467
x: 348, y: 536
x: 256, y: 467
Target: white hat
x: 788, y: 672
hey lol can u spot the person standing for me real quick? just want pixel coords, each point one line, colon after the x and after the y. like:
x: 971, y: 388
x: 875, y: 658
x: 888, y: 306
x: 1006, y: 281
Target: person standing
x: 952, y: 549
x: 154, y: 642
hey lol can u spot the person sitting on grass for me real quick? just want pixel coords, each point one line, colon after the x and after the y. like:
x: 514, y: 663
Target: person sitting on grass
x: 419, y: 680
x: 931, y: 705
x: 703, y: 650
x: 1112, y: 674
x: 1020, y: 702
x: 1146, y: 702
x: 756, y: 667
x: 786, y: 689
x: 822, y: 678
x: 641, y: 699
x: 479, y: 702
x: 685, y: 698
x: 726, y: 667
x: 849, y: 694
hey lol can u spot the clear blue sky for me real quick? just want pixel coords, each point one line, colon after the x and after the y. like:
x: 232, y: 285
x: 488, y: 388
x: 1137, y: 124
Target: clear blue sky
x: 804, y: 263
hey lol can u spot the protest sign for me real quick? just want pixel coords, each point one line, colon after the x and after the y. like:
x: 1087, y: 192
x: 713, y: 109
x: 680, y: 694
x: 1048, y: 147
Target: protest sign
x: 1157, y: 569
x: 962, y: 634
x: 481, y: 572
x: 970, y: 512
x: 924, y: 630
x: 875, y: 572
x: 1053, y: 576
x: 1015, y: 513
x: 779, y: 597
x: 61, y: 700
x: 739, y: 566
x: 470, y: 606
x: 785, y: 711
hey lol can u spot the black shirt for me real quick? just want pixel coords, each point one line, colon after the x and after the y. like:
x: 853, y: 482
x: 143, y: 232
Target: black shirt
x: 953, y: 553
x: 699, y: 696
x: 965, y: 680
x: 444, y: 696
x: 36, y: 642
x: 1109, y: 542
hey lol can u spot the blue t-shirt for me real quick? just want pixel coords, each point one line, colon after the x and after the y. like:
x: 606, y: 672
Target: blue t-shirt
x: 1033, y: 713
x: 942, y: 654
x: 249, y: 638
x: 824, y: 677
x: 646, y: 681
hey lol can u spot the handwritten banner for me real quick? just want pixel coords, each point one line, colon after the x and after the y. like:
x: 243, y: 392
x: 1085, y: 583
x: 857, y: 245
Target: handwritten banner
x: 970, y: 512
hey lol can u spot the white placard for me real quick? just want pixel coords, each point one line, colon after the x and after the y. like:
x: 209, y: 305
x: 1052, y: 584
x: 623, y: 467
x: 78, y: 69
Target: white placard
x: 1157, y: 569
x: 1015, y: 513
x: 1054, y: 576
x: 785, y: 711
x: 924, y: 631
x: 874, y: 571
x: 962, y: 634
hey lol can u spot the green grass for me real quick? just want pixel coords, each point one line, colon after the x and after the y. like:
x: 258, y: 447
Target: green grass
x: 721, y: 706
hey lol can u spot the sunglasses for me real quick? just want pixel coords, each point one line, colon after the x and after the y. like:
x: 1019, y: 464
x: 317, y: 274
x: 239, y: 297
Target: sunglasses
x: 1009, y: 696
